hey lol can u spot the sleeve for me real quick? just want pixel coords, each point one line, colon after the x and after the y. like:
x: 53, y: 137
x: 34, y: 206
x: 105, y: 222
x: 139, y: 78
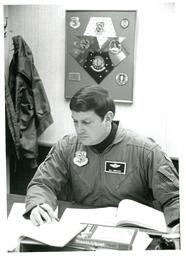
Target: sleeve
x: 164, y: 183
x: 50, y: 177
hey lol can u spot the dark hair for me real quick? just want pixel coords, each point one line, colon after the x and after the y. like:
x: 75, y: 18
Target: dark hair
x: 92, y: 98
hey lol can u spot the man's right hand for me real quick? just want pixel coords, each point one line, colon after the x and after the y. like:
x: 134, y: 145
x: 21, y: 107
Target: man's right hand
x: 41, y: 214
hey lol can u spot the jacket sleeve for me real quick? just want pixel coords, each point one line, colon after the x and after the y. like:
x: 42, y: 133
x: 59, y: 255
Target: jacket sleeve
x: 164, y: 182
x: 41, y: 103
x: 50, y: 177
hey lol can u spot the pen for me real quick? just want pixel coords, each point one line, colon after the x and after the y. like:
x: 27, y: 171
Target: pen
x: 56, y: 218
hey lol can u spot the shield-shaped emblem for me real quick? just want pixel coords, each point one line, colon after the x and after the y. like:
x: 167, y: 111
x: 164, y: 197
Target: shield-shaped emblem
x: 80, y: 158
x: 74, y: 22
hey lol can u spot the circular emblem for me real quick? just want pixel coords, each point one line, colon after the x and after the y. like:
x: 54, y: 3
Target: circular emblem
x: 76, y: 52
x: 114, y: 46
x: 84, y: 44
x: 124, y: 23
x: 122, y: 78
x: 98, y: 64
x: 76, y: 43
x: 75, y: 23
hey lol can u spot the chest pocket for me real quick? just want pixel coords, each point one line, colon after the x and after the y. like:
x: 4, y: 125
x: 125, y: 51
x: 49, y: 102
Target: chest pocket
x: 123, y: 183
x: 81, y: 182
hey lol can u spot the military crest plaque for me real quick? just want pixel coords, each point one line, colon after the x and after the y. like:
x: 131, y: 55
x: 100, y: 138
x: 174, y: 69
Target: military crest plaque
x: 100, y: 49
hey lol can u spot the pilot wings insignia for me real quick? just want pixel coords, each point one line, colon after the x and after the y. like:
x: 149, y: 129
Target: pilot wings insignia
x: 115, y: 167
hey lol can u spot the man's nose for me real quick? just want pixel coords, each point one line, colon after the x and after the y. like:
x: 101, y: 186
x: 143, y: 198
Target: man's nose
x: 80, y: 129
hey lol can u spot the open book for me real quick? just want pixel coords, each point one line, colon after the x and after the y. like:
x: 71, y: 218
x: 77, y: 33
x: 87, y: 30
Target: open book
x: 129, y: 213
x: 132, y: 213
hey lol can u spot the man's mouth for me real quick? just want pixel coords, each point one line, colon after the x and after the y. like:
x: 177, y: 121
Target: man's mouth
x: 83, y: 136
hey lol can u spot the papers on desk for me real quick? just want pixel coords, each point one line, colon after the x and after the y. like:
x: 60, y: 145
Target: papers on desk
x: 128, y: 214
x: 141, y: 241
x: 54, y: 234
x: 72, y: 223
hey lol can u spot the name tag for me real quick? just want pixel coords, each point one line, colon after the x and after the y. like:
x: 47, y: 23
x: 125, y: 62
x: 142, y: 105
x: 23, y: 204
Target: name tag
x: 115, y: 167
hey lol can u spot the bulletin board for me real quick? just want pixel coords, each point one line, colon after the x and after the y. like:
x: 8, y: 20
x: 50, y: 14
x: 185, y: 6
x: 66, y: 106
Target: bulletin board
x: 99, y: 50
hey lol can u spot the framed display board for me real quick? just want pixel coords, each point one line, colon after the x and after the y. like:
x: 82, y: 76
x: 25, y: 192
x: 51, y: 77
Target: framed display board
x: 100, y: 50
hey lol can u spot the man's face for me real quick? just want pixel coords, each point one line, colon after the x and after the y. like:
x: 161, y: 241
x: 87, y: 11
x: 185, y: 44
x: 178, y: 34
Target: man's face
x: 90, y: 128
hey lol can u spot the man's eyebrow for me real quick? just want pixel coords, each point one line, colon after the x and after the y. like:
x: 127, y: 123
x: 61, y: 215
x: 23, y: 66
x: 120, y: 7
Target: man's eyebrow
x: 86, y: 119
x: 72, y: 117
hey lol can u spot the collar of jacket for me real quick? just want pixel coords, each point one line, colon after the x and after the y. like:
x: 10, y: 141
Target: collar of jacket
x: 120, y: 134
x: 24, y: 56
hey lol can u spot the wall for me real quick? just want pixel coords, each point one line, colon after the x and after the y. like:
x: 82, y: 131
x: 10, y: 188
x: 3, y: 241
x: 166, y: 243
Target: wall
x: 155, y: 106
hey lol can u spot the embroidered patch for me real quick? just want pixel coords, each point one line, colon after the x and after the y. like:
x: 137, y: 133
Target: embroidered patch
x: 80, y: 158
x: 115, y: 167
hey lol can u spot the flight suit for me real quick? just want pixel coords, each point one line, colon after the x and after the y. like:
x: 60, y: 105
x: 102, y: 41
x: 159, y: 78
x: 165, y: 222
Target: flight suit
x: 131, y: 167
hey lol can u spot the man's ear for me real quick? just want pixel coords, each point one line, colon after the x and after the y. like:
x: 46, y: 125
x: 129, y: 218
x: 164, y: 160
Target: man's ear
x: 109, y: 116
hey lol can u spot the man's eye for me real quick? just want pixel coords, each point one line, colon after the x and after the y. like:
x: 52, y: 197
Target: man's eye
x: 86, y: 122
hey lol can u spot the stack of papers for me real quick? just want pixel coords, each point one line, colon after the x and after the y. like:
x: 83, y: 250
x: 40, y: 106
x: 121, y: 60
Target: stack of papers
x: 54, y: 234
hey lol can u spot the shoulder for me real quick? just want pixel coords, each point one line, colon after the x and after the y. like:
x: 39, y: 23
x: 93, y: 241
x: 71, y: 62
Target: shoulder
x: 140, y: 140
x: 146, y: 146
x: 136, y: 140
x: 63, y: 147
x: 67, y: 141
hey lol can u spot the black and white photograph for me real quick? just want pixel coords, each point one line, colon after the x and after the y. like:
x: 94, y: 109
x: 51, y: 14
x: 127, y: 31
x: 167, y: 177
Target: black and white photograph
x: 92, y: 128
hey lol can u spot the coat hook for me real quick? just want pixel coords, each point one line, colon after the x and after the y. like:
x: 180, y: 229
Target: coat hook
x: 5, y: 26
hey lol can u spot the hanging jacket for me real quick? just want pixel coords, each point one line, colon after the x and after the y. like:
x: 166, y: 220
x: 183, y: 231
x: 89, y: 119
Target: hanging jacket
x: 27, y: 106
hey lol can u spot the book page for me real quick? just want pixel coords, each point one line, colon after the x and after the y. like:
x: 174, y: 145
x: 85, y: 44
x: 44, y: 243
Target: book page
x: 100, y: 216
x: 132, y: 212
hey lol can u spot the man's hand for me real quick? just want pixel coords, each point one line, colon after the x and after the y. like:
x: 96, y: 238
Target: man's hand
x: 41, y: 214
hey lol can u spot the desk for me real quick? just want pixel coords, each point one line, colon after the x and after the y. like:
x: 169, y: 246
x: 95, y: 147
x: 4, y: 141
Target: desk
x: 62, y: 205
x: 12, y: 198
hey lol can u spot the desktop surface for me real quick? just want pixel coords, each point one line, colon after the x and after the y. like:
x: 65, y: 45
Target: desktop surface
x: 28, y: 245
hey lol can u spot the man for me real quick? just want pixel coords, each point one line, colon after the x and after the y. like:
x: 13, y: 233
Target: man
x: 103, y: 164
